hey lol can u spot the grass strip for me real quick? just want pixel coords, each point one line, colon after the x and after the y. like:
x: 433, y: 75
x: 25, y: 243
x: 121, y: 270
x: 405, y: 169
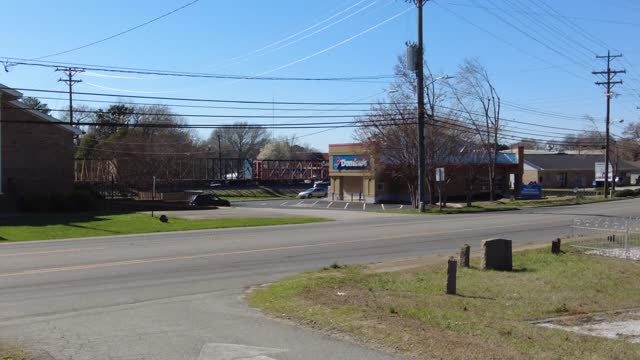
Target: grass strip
x: 63, y: 226
x: 408, y: 311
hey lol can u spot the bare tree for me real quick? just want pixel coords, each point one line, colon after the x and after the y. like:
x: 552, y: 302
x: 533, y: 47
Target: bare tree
x: 241, y: 140
x: 404, y: 90
x: 389, y: 134
x: 479, y: 103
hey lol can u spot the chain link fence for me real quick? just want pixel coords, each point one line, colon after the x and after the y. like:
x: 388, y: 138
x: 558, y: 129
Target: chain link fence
x: 607, y: 236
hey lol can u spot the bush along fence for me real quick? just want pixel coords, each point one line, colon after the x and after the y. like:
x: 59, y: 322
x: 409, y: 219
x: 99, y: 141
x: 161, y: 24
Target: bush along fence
x: 607, y: 236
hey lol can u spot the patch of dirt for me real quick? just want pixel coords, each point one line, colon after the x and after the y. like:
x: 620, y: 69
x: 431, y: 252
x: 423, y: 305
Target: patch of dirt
x: 623, y: 325
x: 628, y: 254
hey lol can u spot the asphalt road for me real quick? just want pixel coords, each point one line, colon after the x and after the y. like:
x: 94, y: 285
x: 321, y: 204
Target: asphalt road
x: 316, y: 203
x: 178, y: 295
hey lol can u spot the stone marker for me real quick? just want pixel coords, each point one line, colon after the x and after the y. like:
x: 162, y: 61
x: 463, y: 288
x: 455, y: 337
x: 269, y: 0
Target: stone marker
x: 465, y: 252
x: 452, y: 267
x: 555, y: 246
x: 496, y: 255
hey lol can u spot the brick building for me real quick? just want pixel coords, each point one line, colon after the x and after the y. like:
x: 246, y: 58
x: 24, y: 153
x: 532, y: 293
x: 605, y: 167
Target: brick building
x: 36, y: 151
x: 357, y: 176
x: 567, y: 170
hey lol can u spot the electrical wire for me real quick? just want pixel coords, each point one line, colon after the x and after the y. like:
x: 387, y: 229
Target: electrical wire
x: 205, y: 100
x: 15, y: 62
x: 119, y: 33
x: 268, y: 46
x: 270, y: 109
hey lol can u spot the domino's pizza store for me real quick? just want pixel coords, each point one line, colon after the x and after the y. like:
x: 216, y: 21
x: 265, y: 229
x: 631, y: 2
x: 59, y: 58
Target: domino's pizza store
x: 357, y: 177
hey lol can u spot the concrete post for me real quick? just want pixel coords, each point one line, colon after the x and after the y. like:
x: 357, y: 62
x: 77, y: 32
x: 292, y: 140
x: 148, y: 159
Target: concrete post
x: 452, y: 267
x: 464, y: 255
x: 555, y: 246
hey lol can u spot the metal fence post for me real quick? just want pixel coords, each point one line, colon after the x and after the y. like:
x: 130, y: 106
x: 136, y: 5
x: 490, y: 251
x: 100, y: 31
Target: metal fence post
x: 627, y: 251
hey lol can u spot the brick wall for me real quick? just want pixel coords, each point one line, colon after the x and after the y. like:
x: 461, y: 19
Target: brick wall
x: 36, y: 158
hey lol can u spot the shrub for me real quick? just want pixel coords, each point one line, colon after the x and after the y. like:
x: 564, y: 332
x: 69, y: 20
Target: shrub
x: 625, y: 193
x: 77, y: 200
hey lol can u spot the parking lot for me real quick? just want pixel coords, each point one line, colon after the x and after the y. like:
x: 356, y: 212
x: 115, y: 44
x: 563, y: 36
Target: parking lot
x: 320, y: 204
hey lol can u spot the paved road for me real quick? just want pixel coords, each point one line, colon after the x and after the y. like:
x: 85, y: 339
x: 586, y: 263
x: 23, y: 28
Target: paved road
x: 318, y: 204
x: 177, y: 296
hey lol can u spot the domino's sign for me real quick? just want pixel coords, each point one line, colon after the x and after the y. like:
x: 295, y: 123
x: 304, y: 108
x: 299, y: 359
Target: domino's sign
x: 350, y: 162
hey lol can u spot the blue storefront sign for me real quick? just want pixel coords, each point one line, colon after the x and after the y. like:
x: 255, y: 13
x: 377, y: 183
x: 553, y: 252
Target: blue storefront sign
x: 531, y: 192
x: 350, y: 162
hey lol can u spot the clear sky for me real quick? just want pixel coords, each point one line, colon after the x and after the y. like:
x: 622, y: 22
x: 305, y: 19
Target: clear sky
x: 539, y: 53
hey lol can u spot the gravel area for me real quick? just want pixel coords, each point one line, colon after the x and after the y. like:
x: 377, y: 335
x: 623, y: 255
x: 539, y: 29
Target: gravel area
x: 628, y: 330
x: 630, y: 254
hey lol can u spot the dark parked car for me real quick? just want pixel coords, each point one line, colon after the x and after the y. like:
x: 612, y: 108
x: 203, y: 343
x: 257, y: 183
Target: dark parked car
x: 208, y: 200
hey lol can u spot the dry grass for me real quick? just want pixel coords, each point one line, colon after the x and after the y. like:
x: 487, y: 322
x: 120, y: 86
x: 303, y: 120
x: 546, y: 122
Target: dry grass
x: 408, y: 312
x: 13, y: 352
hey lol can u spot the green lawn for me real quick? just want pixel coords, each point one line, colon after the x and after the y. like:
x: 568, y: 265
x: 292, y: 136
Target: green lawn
x: 62, y: 226
x: 552, y: 201
x: 409, y: 312
x: 254, y: 194
x: 507, y: 204
x: 476, y: 208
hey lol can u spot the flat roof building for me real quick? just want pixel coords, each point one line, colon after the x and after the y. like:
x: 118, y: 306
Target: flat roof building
x: 359, y: 176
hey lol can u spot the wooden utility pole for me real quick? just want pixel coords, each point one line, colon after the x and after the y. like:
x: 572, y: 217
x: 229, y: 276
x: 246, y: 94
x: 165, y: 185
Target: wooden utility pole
x: 71, y: 72
x: 219, y: 159
x: 608, y: 84
x: 419, y: 69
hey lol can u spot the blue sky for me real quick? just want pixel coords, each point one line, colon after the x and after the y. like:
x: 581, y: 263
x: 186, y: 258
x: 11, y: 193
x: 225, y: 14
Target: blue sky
x: 539, y: 53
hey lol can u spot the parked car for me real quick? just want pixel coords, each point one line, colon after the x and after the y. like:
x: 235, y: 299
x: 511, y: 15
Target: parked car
x: 600, y: 183
x: 322, y: 184
x: 313, y: 192
x: 208, y: 200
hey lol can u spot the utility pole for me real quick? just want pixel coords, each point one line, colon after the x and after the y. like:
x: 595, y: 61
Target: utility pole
x: 219, y: 159
x: 419, y: 69
x: 608, y: 84
x: 71, y: 72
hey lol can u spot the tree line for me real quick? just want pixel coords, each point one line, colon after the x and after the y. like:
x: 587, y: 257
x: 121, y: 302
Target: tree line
x: 136, y: 152
x: 465, y: 130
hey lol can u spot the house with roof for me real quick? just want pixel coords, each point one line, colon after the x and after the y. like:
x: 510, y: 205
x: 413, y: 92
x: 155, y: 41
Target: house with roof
x: 36, y: 150
x: 568, y: 170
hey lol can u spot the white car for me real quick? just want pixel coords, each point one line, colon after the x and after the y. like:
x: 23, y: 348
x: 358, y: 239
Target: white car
x: 313, y: 192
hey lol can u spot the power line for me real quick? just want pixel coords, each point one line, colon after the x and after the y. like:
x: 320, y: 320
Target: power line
x: 25, y: 62
x: 119, y: 33
x: 287, y: 44
x: 530, y: 36
x: 208, y: 100
x: 268, y: 46
x: 501, y: 39
x: 447, y: 123
x: 337, y: 44
x: 270, y: 109
x: 560, y: 16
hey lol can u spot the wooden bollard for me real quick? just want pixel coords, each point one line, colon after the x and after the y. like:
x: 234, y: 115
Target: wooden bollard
x: 465, y: 252
x: 452, y: 267
x: 555, y: 246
